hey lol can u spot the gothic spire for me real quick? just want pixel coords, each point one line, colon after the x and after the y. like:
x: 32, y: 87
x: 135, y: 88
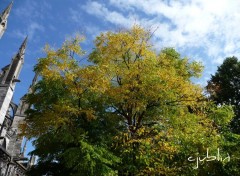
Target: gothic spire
x: 31, y: 87
x: 6, y: 12
x: 3, y: 19
x: 34, y: 82
x: 15, y: 67
x: 22, y: 48
x: 34, y: 79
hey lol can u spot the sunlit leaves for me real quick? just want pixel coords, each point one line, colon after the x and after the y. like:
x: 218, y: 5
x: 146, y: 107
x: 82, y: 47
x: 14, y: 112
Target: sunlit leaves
x: 132, y: 111
x: 152, y: 93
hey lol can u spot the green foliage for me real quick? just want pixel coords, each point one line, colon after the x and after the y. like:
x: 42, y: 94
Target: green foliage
x: 68, y: 135
x: 131, y: 112
x: 224, y: 87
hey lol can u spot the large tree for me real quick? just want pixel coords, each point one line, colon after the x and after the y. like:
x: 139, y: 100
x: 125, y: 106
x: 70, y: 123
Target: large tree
x: 224, y: 88
x: 131, y: 111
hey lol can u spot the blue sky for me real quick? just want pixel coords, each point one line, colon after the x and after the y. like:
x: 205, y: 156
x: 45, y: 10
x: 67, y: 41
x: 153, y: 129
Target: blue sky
x: 202, y: 30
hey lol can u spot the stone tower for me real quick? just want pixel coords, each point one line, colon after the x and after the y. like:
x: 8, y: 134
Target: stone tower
x: 8, y: 80
x: 12, y: 161
x: 3, y: 19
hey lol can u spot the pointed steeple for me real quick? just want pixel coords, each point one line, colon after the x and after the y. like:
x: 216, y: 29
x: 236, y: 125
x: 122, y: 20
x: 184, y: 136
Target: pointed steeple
x: 16, y: 65
x: 22, y: 48
x: 6, y: 12
x: 3, y: 19
x: 21, y: 52
x: 34, y: 82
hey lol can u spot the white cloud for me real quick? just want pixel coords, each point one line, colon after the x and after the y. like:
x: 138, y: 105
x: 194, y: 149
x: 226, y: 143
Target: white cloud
x: 212, y: 26
x: 30, y: 10
x: 30, y: 31
x: 19, y: 34
x: 93, y: 31
x: 32, y: 28
x: 218, y: 60
x: 114, y: 17
x: 230, y: 47
x: 75, y: 15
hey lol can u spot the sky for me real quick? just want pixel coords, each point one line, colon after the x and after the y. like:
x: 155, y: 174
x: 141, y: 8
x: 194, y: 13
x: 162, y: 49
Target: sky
x: 202, y: 30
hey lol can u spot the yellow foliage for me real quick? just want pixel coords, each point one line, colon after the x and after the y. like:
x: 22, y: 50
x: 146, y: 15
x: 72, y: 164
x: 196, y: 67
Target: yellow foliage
x: 151, y: 93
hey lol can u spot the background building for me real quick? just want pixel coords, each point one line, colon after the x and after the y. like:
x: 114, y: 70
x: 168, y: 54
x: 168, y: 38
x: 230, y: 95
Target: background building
x: 12, y: 160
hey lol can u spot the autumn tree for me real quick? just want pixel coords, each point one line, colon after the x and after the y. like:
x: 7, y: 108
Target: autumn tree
x: 131, y: 111
x: 152, y: 94
x: 68, y: 137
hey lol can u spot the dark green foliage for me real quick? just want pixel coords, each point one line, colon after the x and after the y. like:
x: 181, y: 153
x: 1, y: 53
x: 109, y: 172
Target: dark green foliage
x: 224, y: 88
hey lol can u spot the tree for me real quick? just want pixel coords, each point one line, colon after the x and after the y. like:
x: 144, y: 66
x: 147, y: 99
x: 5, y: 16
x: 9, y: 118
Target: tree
x: 151, y: 92
x: 68, y: 136
x: 131, y: 111
x: 223, y: 88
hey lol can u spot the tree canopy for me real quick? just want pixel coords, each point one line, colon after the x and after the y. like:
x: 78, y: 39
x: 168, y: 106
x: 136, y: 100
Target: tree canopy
x: 130, y: 111
x: 224, y: 87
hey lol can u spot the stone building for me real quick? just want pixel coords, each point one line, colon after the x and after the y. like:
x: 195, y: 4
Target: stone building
x: 12, y: 160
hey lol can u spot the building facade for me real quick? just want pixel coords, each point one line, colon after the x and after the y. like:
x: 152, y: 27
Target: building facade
x: 12, y: 160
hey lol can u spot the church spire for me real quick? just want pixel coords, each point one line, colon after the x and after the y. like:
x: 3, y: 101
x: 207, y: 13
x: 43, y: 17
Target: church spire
x: 8, y: 80
x: 15, y: 67
x: 34, y: 82
x: 22, y: 48
x: 23, y: 105
x: 3, y: 19
x: 6, y: 12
